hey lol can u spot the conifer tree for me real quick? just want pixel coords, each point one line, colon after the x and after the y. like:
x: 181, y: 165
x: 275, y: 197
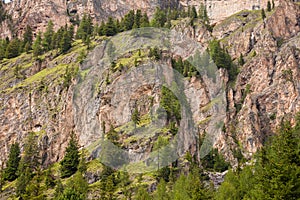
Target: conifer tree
x: 241, y: 60
x: 135, y: 117
x: 12, y: 164
x: 12, y: 49
x: 49, y: 179
x: 110, y: 29
x: 194, y: 13
x: 263, y: 14
x: 137, y: 19
x: 69, y: 163
x: 47, y: 39
x: 37, y: 46
x: 203, y: 14
x: 3, y: 46
x: 269, y: 7
x: 31, y: 158
x: 142, y: 194
x: 161, y: 191
x: 159, y: 18
x: 27, y: 38
x: 65, y: 42
x: 128, y: 20
x: 76, y: 188
x: 145, y: 20
x: 29, y: 165
x: 71, y: 32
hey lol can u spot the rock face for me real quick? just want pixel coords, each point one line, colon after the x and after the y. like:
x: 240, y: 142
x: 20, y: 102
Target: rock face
x: 37, y: 13
x: 267, y: 87
x: 265, y: 92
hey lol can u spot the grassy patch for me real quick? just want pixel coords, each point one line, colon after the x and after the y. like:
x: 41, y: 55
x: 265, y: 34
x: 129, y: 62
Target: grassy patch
x: 94, y: 166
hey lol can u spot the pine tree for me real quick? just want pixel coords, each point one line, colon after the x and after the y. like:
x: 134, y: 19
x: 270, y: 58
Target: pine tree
x: 241, y: 60
x: 59, y: 189
x: 145, y: 20
x: 194, y: 13
x: 70, y: 162
x: 3, y: 46
x: 31, y: 158
x: 33, y: 188
x: 29, y: 165
x: 263, y: 14
x: 269, y: 7
x: 203, y: 14
x: 71, y: 32
x: 49, y: 179
x: 47, y: 39
x: 101, y: 29
x: 37, y: 46
x: 27, y: 38
x: 110, y: 29
x: 12, y: 164
x: 81, y: 32
x: 135, y: 117
x: 12, y: 49
x: 142, y: 194
x: 22, y: 181
x: 137, y: 19
x: 128, y: 20
x: 161, y: 191
x: 76, y: 188
x: 65, y: 42
x: 159, y: 18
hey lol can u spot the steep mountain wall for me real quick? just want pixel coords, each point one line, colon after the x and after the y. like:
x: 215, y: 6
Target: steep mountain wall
x: 38, y: 12
x: 265, y: 92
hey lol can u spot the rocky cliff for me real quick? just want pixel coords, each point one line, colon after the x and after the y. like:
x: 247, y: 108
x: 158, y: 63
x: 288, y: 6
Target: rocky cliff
x: 37, y: 13
x: 35, y: 95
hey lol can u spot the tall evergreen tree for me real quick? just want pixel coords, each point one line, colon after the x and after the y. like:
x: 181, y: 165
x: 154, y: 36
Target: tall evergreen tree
x: 65, y: 42
x: 137, y: 19
x: 241, y: 60
x: 142, y: 194
x: 85, y: 28
x: 69, y: 163
x: 31, y: 158
x: 109, y: 28
x: 37, y: 46
x: 159, y: 18
x: 263, y: 14
x: 12, y: 164
x: 76, y: 188
x: 269, y: 7
x: 194, y: 13
x: 128, y: 20
x: 203, y: 14
x: 27, y: 38
x: 29, y: 165
x: 161, y: 191
x: 135, y: 117
x: 145, y: 20
x: 47, y: 39
x: 3, y: 46
x: 13, y: 48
